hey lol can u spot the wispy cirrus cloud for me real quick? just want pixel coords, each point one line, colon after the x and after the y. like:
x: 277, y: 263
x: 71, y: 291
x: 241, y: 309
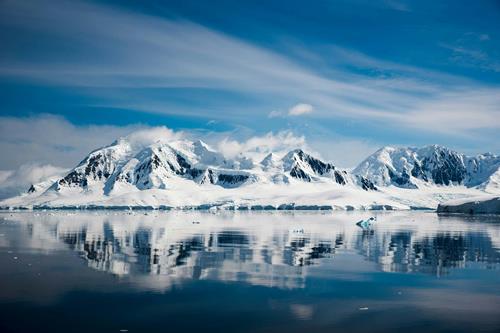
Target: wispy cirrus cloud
x: 117, y: 56
x: 471, y: 50
x: 472, y: 57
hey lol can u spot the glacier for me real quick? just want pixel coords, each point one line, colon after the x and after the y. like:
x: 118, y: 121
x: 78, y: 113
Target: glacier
x: 185, y: 174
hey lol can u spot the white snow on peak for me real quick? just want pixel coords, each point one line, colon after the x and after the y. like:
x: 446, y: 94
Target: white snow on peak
x: 161, y: 169
x: 271, y: 161
x: 429, y: 165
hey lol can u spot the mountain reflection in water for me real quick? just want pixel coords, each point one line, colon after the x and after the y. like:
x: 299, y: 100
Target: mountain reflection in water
x: 266, y: 249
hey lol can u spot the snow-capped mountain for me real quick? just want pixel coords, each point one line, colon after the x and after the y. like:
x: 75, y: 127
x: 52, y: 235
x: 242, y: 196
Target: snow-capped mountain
x: 431, y: 165
x: 299, y: 165
x: 183, y: 173
x: 152, y: 167
x: 120, y: 166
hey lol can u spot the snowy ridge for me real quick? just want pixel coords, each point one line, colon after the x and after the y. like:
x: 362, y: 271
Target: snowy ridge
x: 191, y: 174
x: 431, y: 165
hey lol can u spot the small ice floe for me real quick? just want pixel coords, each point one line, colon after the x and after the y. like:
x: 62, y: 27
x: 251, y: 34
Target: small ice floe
x: 363, y: 309
x: 366, y: 224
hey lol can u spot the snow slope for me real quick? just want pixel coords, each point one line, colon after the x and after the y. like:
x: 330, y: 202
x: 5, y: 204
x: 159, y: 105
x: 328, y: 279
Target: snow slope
x: 187, y: 174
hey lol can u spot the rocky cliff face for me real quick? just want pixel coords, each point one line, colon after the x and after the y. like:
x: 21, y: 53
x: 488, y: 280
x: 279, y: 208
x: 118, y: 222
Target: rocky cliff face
x: 305, y: 167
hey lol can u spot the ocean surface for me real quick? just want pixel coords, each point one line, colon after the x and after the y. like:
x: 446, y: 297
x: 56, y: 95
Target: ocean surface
x: 179, y: 271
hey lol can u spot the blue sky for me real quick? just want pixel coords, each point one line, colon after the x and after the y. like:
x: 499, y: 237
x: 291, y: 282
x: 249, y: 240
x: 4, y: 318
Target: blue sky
x: 349, y: 76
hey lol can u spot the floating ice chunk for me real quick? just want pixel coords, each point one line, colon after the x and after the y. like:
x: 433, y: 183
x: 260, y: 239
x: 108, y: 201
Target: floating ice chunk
x: 366, y: 224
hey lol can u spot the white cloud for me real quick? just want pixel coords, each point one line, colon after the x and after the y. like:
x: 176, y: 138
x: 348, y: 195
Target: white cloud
x: 18, y: 181
x: 300, y: 109
x: 148, y: 136
x: 47, y: 139
x: 257, y: 147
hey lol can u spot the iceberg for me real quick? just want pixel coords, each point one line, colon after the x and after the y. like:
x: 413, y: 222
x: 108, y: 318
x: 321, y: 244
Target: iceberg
x: 366, y: 224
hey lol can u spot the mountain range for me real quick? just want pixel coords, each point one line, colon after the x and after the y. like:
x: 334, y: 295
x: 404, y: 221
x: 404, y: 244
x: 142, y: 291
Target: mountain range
x: 191, y: 174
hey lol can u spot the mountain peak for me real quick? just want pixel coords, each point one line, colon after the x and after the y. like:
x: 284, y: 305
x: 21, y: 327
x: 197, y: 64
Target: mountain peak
x: 432, y: 164
x: 270, y: 161
x: 202, y: 145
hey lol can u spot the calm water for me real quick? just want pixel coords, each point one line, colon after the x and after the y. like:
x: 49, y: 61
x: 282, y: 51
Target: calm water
x: 248, y: 272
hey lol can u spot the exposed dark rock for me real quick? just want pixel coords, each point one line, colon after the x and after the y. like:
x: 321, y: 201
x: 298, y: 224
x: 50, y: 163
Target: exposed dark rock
x: 318, y: 167
x: 367, y: 184
x: 297, y: 172
x: 232, y: 179
x: 402, y: 180
x: 32, y: 189
x: 340, y: 177
x: 446, y: 167
x: 487, y: 206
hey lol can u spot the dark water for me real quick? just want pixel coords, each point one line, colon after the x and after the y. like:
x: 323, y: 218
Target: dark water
x: 255, y: 272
